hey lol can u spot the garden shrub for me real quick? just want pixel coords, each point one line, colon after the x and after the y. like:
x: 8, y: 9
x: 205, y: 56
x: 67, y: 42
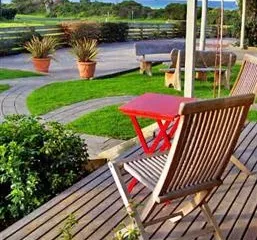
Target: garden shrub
x: 179, y: 29
x: 114, y: 32
x: 81, y: 29
x: 105, y: 32
x: 8, y: 13
x: 27, y: 35
x: 37, y: 161
x: 176, y: 11
x: 5, y: 46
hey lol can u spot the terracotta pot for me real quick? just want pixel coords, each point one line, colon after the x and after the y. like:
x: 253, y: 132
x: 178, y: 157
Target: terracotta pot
x: 86, y: 69
x: 41, y: 64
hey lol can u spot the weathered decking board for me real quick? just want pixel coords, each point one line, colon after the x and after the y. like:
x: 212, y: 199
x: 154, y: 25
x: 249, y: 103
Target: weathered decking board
x: 97, y: 205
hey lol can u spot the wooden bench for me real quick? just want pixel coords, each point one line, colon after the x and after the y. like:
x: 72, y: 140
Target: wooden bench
x: 149, y: 52
x: 205, y: 61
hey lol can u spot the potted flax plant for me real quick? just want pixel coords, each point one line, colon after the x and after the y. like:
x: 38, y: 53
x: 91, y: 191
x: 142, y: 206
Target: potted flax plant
x: 85, y: 50
x: 41, y: 50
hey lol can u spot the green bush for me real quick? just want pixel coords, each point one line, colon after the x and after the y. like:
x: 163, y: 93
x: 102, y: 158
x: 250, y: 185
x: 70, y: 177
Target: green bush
x: 104, y: 32
x: 37, y: 161
x: 8, y: 13
x: 176, y: 11
x: 27, y: 36
x: 81, y: 29
x: 114, y: 32
x: 5, y: 46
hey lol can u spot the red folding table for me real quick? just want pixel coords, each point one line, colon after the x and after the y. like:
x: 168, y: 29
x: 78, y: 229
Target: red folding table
x: 161, y: 108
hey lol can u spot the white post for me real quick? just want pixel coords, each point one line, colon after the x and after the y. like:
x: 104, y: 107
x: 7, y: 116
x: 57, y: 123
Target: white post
x: 190, y: 48
x: 203, y: 25
x: 242, y: 37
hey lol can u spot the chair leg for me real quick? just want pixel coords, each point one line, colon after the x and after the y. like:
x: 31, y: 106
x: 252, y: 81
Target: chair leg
x: 208, y: 214
x: 240, y: 165
x: 127, y: 200
x: 190, y: 206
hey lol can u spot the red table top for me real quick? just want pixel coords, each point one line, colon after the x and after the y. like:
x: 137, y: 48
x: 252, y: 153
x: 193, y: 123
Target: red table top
x: 156, y: 106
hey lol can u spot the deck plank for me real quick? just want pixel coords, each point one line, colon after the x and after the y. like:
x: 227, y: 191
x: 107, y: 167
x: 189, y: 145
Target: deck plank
x: 96, y: 203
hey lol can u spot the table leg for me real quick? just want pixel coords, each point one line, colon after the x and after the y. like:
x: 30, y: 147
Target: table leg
x: 164, y: 135
x: 132, y: 184
x: 174, y: 128
x: 140, y: 134
x: 161, y: 135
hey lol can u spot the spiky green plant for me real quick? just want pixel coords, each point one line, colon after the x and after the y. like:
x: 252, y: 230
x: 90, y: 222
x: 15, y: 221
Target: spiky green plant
x: 42, y: 48
x: 70, y: 222
x: 85, y: 49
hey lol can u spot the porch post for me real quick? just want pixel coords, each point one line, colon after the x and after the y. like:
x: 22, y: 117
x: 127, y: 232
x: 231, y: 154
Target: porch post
x: 203, y: 25
x: 190, y: 48
x: 242, y: 36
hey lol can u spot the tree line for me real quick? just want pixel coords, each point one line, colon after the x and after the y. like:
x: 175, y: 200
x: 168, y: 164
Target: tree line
x: 123, y: 10
x: 132, y: 10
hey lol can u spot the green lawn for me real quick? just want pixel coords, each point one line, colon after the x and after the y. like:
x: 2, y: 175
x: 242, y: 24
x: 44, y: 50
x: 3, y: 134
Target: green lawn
x: 23, y: 20
x: 56, y: 95
x: 4, y: 87
x: 11, y: 74
x: 113, y: 123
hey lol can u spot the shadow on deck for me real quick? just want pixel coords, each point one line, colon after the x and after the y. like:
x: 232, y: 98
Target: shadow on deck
x: 96, y: 203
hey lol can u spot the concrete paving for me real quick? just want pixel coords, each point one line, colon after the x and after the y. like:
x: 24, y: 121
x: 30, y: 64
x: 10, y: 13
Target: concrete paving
x: 112, y: 58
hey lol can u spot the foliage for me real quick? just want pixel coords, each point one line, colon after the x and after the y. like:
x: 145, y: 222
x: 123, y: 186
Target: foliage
x: 85, y: 49
x: 181, y: 29
x: 8, y: 13
x: 31, y: 6
x: 114, y: 32
x: 27, y: 6
x: 230, y: 16
x: 121, y: 10
x: 68, y: 225
x: 127, y: 233
x: 106, y: 32
x: 250, y: 21
x: 130, y: 9
x: 41, y: 48
x: 176, y: 11
x: 28, y: 35
x: 5, y: 46
x: 37, y: 161
x: 81, y: 29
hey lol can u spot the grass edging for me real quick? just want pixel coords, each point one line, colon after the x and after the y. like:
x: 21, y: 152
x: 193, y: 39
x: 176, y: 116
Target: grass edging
x: 117, y: 150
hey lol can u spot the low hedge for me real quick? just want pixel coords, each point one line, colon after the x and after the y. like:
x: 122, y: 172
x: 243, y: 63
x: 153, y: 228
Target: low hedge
x: 114, y: 32
x: 8, y: 13
x: 103, y: 32
x: 37, y: 161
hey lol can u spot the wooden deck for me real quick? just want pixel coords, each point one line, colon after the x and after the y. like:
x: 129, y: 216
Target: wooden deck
x: 96, y: 203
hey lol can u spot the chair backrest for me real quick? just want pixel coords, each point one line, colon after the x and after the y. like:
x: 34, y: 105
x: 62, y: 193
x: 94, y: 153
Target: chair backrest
x: 204, y: 142
x: 205, y: 59
x: 247, y: 78
x: 157, y: 47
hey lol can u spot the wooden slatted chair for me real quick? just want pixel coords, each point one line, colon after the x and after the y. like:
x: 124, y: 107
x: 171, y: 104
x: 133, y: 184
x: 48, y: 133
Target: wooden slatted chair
x: 245, y: 83
x: 203, y: 144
